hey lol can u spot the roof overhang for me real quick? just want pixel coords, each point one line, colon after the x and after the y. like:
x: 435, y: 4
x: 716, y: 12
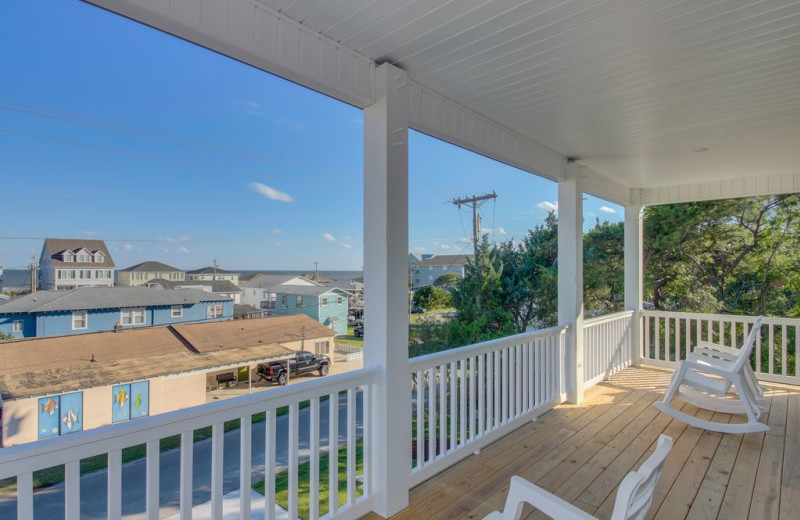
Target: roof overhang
x: 656, y: 101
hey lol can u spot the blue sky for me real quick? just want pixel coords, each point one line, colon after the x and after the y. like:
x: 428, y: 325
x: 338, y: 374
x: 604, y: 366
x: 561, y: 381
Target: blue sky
x: 112, y: 130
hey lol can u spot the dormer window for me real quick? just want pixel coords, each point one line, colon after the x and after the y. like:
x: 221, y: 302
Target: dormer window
x: 83, y: 255
x: 68, y: 256
x: 99, y: 257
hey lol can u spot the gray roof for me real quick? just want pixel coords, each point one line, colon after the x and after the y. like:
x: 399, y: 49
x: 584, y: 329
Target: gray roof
x: 87, y: 298
x: 217, y: 286
x: 446, y: 260
x: 273, y: 281
x: 210, y: 270
x: 242, y: 309
x: 54, y: 246
x: 308, y: 290
x: 152, y: 266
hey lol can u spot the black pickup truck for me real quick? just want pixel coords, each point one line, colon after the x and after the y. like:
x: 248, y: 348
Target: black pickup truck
x: 301, y: 364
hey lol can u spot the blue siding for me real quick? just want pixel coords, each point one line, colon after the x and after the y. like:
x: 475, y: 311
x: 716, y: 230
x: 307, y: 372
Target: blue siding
x: 311, y: 307
x: 28, y: 325
x: 46, y: 324
x: 334, y: 313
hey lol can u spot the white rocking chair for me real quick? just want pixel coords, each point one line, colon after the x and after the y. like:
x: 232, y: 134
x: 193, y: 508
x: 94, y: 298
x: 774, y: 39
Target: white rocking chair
x: 633, y: 497
x: 693, y: 382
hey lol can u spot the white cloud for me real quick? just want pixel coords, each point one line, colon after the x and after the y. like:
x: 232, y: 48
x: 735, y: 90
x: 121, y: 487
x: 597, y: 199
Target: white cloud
x: 548, y: 206
x: 606, y: 209
x: 419, y: 249
x: 183, y: 250
x: 127, y: 247
x: 271, y: 193
x: 447, y: 247
x: 329, y: 237
x: 496, y: 231
x: 277, y: 244
x: 172, y: 240
x: 346, y: 245
x: 277, y: 231
x: 163, y: 249
x: 88, y: 233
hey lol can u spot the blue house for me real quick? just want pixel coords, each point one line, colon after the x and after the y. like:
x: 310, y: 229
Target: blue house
x: 97, y: 309
x: 282, y: 295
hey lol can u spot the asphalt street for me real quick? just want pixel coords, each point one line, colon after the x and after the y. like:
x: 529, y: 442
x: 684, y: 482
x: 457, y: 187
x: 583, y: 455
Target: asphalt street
x: 49, y: 502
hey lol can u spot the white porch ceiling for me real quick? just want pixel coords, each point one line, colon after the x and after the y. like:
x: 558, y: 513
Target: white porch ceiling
x: 630, y: 87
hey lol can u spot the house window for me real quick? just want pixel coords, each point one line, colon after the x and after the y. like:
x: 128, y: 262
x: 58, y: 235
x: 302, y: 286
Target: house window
x: 324, y: 301
x: 298, y: 302
x: 283, y: 300
x: 108, y: 274
x: 85, y: 274
x: 17, y: 326
x: 84, y: 257
x: 321, y: 348
x: 339, y: 300
x: 131, y: 317
x: 79, y: 320
x: 98, y: 274
x: 177, y: 311
x: 70, y: 274
x: 58, y: 274
x: 99, y: 257
x: 214, y: 311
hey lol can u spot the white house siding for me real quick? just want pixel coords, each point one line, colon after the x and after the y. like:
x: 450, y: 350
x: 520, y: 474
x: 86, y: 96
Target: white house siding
x: 425, y: 275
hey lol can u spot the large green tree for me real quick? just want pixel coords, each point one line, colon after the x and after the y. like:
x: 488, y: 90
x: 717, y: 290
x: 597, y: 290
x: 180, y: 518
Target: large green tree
x: 735, y: 255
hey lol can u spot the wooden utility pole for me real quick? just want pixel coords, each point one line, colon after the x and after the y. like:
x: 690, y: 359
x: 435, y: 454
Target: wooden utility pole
x: 474, y: 202
x: 33, y: 274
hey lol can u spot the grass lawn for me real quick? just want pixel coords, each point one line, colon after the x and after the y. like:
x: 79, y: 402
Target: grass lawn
x: 303, y: 485
x: 55, y: 475
x: 350, y: 339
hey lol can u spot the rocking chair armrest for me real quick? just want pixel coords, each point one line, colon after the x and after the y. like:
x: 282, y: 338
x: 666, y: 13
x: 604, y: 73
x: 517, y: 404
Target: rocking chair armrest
x: 522, y: 491
x: 707, y: 368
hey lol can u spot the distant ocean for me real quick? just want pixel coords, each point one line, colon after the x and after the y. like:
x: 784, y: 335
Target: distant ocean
x: 21, y: 278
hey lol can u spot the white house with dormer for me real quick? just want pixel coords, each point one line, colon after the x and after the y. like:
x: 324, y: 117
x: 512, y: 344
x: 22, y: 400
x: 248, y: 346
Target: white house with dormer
x: 68, y: 263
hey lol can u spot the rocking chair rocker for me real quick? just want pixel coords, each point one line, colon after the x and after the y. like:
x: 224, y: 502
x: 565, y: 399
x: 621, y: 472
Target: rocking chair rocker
x: 693, y: 382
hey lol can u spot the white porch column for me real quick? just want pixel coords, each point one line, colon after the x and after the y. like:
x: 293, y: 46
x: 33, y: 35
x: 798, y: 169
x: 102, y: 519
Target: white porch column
x: 386, y: 285
x: 634, y: 227
x: 570, y: 277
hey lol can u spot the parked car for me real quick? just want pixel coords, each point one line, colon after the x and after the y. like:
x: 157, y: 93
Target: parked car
x: 417, y: 310
x: 303, y: 363
x: 358, y: 331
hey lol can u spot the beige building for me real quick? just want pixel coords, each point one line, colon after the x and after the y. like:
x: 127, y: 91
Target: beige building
x: 210, y: 274
x: 58, y: 386
x: 141, y: 274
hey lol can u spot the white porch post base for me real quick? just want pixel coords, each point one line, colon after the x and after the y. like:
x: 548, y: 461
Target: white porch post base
x: 386, y: 285
x: 570, y: 277
x: 634, y: 227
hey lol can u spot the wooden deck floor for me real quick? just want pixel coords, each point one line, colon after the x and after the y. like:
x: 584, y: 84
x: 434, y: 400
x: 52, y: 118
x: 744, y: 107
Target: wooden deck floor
x: 581, y: 453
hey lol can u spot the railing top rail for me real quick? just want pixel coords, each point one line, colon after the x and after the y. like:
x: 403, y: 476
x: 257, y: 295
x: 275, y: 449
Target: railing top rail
x: 457, y: 354
x: 739, y: 318
x: 599, y: 320
x: 58, y: 450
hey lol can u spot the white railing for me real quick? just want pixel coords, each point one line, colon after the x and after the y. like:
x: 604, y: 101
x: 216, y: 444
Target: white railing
x: 350, y: 388
x: 466, y: 398
x: 608, y: 346
x: 667, y: 336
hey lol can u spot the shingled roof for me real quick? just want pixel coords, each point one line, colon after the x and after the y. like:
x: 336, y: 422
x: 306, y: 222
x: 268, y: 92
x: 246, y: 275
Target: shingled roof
x: 152, y: 266
x: 55, y: 246
x: 87, y: 298
x: 41, y: 366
